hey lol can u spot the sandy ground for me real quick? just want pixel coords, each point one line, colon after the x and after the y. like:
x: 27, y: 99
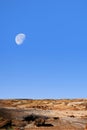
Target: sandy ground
x: 71, y: 113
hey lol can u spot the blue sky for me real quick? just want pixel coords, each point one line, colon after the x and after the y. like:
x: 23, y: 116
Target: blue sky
x: 52, y: 61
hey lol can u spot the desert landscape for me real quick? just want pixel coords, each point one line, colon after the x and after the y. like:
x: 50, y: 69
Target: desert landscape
x: 46, y: 114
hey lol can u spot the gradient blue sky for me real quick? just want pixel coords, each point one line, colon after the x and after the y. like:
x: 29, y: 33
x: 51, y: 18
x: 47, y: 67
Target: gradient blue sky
x: 52, y: 61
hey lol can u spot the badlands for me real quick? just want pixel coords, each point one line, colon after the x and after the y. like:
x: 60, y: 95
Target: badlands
x: 46, y: 114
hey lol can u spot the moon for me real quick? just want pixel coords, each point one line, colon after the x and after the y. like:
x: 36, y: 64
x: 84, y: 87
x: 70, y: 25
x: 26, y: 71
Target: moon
x: 19, y: 39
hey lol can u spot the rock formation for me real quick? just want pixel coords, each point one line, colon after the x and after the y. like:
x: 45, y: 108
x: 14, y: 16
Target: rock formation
x: 25, y: 114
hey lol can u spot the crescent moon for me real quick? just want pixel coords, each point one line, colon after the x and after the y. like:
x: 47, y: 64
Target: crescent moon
x: 19, y: 39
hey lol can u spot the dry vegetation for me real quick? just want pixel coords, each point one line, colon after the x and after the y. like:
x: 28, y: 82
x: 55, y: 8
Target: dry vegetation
x: 74, y: 104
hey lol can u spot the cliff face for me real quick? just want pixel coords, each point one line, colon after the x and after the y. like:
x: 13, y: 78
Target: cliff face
x: 62, y: 114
